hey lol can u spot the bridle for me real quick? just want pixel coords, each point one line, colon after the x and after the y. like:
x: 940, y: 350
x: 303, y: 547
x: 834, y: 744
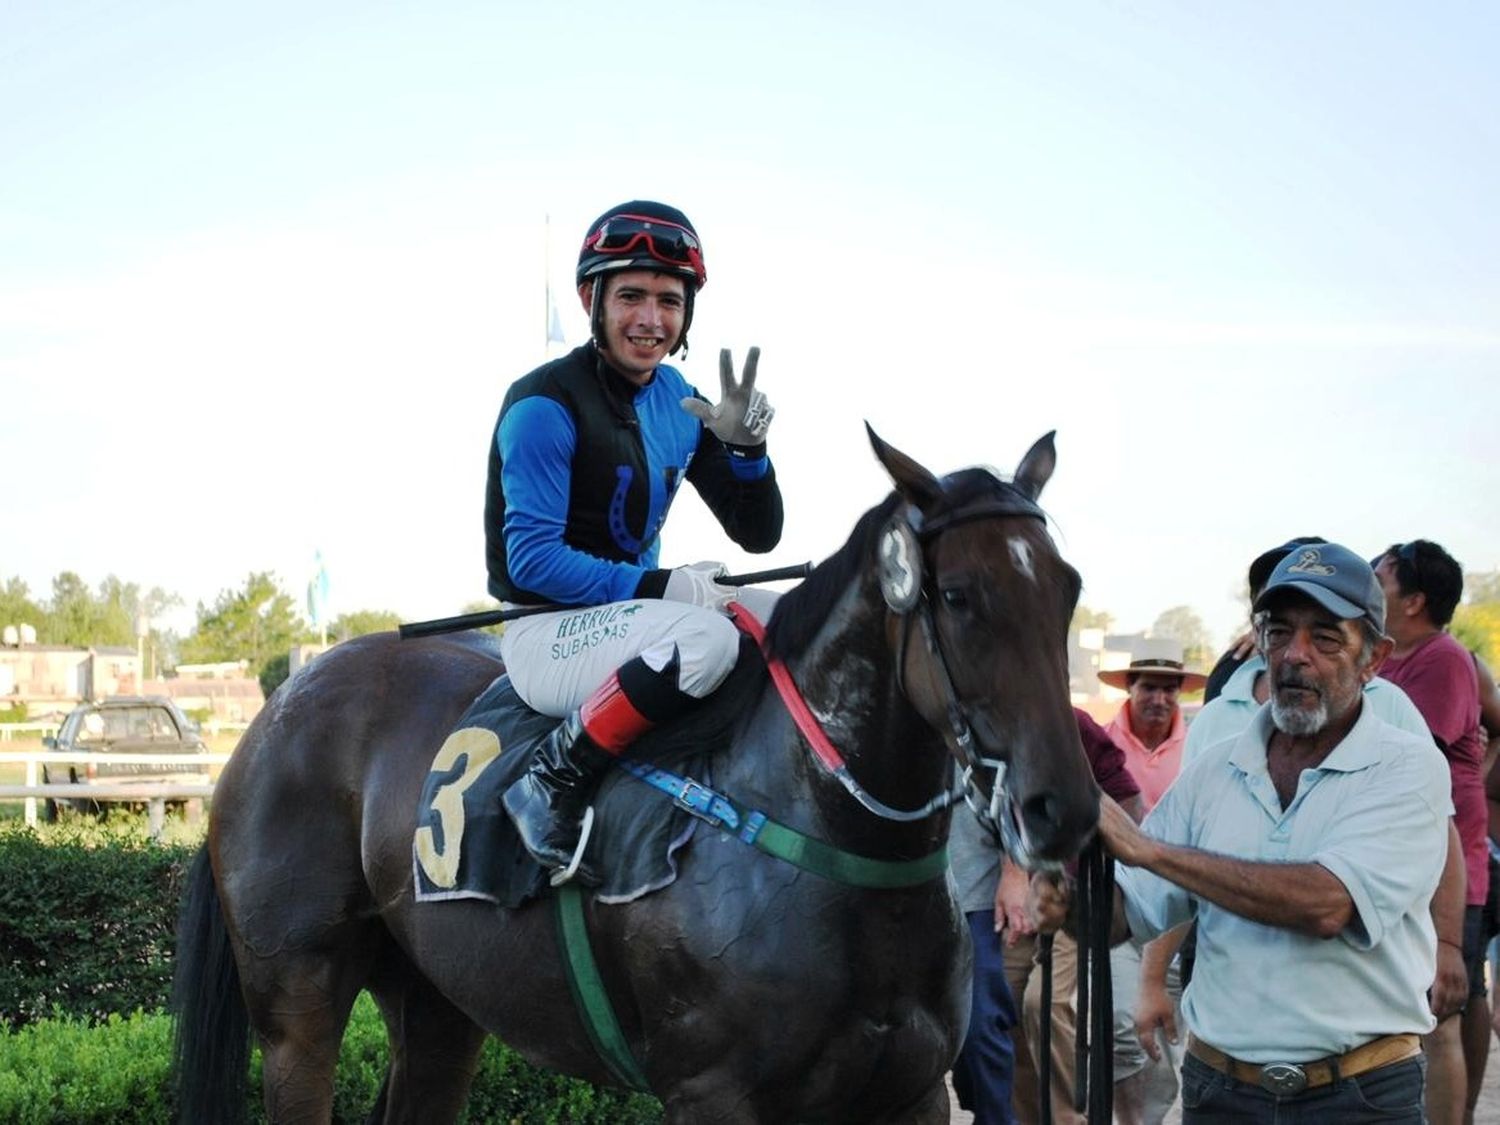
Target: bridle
x: 909, y: 588
x: 909, y: 592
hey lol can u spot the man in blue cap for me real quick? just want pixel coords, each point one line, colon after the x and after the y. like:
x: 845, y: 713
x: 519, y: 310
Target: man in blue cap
x: 1308, y: 848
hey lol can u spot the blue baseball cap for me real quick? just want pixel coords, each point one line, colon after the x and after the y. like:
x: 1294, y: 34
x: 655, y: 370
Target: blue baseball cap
x: 1334, y: 577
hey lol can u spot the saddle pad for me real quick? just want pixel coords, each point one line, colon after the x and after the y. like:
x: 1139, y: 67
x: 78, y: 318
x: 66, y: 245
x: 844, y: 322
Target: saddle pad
x: 465, y: 845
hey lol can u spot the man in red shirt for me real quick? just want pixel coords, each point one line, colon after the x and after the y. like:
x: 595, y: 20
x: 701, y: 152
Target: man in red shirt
x: 1422, y: 585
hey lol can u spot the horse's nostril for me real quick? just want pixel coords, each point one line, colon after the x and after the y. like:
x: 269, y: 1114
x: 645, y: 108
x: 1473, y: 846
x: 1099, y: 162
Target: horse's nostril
x: 1042, y: 815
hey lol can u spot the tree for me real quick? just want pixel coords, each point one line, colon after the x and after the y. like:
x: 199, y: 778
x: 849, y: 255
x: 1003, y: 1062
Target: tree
x: 18, y: 608
x: 1182, y: 624
x: 362, y: 621
x: 1476, y: 623
x: 276, y: 672
x: 1086, y: 618
x: 75, y: 616
x: 255, y: 624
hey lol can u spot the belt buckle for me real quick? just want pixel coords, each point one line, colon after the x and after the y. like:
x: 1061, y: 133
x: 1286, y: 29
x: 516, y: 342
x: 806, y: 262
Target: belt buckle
x: 1284, y: 1079
x: 697, y: 799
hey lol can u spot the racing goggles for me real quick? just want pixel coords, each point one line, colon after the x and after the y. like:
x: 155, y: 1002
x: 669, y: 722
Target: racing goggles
x: 666, y: 242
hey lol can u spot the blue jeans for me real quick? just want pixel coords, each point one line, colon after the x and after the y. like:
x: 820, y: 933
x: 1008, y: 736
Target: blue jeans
x: 1390, y: 1094
x: 985, y: 1069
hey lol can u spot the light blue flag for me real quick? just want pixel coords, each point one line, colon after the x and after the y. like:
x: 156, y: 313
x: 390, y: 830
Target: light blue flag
x: 317, y: 593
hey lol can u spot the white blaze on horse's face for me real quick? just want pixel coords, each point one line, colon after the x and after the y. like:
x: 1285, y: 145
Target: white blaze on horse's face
x: 1020, y: 554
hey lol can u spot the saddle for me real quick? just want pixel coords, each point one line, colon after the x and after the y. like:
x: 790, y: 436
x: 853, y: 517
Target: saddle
x: 465, y: 846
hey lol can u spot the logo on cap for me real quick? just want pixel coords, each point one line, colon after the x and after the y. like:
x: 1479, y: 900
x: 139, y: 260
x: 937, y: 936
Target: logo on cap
x: 1311, y: 562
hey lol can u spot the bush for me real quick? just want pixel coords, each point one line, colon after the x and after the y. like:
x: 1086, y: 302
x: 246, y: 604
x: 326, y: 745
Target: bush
x: 88, y: 920
x: 66, y: 1071
x: 13, y: 713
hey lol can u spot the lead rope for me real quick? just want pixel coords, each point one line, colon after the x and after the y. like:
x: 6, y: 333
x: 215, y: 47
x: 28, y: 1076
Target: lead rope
x: 1094, y: 1046
x: 1044, y: 1048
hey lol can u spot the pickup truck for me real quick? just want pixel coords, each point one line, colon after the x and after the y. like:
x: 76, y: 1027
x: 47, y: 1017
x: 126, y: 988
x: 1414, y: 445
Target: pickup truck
x: 148, y: 724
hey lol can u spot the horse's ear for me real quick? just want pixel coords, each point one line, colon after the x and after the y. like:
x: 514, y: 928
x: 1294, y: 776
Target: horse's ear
x: 1036, y: 467
x: 913, y: 482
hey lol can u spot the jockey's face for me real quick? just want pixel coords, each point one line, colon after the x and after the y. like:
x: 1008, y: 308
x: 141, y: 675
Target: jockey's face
x: 643, y: 314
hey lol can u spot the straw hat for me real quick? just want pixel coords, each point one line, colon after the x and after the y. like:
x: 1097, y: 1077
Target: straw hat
x: 1155, y: 656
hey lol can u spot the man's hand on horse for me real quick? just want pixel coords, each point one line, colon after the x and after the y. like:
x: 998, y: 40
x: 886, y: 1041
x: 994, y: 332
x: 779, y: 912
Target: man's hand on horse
x: 697, y: 584
x: 1047, y: 903
x: 1010, y: 903
x: 1126, y: 842
x: 742, y: 414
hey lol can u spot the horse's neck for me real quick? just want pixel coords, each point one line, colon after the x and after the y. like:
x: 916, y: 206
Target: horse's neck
x: 848, y: 678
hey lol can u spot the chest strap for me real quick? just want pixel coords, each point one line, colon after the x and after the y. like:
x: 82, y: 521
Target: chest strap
x: 753, y: 827
x: 589, y: 996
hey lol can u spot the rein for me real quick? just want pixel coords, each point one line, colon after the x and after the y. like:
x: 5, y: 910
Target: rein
x: 1094, y: 1044
x: 817, y: 740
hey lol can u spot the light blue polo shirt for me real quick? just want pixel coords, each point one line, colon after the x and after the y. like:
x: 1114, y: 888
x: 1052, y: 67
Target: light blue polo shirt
x: 1230, y: 713
x: 1375, y: 814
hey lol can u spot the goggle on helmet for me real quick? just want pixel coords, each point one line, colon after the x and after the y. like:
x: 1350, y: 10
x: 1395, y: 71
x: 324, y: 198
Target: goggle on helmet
x: 626, y: 239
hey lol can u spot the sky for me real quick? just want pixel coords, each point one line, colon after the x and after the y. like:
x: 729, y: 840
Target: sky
x: 266, y: 271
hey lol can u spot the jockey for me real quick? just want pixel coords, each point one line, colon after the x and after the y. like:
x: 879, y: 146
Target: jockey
x: 588, y: 453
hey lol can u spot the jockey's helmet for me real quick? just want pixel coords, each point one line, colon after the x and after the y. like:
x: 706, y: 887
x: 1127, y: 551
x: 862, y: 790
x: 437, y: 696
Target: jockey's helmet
x: 642, y: 235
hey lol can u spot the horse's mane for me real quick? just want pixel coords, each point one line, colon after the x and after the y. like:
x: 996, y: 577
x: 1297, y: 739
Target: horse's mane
x: 800, y: 612
x: 799, y: 615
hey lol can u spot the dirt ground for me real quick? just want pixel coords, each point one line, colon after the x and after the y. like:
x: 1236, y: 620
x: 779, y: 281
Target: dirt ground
x: 1487, y: 1112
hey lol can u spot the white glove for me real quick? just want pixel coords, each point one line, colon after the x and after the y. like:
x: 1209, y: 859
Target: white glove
x: 742, y: 415
x: 695, y: 585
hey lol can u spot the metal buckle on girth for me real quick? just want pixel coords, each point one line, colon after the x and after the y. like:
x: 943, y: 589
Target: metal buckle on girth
x: 1284, y: 1079
x: 705, y: 804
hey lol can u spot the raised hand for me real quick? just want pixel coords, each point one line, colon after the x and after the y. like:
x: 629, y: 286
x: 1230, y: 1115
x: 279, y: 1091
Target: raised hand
x: 742, y: 414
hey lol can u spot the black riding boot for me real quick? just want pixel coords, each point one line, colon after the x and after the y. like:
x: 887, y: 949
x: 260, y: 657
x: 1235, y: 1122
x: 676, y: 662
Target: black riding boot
x: 548, y: 800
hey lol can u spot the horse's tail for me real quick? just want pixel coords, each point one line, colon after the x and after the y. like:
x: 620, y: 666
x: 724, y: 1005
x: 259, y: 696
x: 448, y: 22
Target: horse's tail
x: 211, y: 1055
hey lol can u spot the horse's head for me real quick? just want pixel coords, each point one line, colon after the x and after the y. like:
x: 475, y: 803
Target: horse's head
x: 980, y: 603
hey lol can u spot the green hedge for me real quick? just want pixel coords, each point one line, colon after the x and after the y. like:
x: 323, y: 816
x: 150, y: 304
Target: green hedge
x: 88, y: 916
x: 88, y: 919
x: 68, y: 1072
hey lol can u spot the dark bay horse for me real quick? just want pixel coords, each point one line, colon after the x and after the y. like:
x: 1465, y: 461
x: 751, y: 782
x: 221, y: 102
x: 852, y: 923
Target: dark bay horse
x: 749, y: 990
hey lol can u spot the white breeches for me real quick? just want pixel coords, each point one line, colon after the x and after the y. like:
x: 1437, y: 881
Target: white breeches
x: 556, y: 660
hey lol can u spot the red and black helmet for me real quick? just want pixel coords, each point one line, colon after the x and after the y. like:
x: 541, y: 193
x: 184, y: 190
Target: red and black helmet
x: 642, y: 235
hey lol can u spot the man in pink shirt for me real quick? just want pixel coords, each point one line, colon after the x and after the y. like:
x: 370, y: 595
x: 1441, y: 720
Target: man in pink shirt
x: 1149, y: 727
x: 1150, y: 730
x: 1422, y: 585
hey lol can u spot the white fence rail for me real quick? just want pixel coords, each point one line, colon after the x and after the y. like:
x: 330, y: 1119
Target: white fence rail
x: 155, y: 794
x: 9, y: 731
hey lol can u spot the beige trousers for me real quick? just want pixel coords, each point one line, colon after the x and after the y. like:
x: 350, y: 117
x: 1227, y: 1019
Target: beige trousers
x: 1025, y: 980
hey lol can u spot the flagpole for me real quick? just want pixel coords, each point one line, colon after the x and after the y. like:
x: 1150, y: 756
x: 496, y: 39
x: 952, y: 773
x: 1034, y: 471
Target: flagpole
x: 546, y: 282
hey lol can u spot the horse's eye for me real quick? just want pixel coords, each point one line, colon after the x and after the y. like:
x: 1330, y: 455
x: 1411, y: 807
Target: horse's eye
x: 955, y: 598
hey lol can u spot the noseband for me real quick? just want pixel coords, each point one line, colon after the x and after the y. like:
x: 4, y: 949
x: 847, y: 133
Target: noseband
x: 908, y: 588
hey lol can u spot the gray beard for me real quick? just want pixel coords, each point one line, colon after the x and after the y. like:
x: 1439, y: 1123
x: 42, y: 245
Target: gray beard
x: 1299, y: 722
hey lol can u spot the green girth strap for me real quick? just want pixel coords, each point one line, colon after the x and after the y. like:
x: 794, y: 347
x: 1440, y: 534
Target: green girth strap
x: 589, y: 996
x: 836, y: 864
